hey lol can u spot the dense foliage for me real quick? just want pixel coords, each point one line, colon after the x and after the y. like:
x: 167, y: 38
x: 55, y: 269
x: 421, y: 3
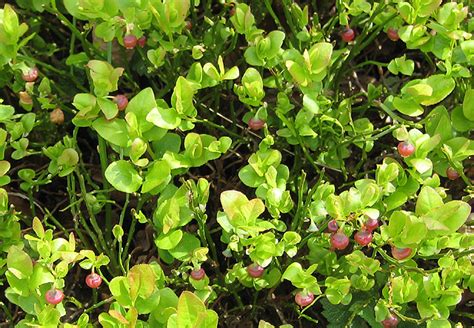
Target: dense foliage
x: 198, y: 163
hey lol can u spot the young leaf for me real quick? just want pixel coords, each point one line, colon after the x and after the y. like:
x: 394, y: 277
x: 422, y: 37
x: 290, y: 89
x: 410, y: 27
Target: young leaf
x: 123, y: 176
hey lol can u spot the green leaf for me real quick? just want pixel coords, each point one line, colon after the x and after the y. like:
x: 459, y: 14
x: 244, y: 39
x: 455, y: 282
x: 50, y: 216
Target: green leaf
x: 211, y: 71
x: 166, y: 118
x: 77, y: 59
x: 142, y: 281
x: 428, y: 199
x: 451, y: 215
x: 396, y: 223
x: 104, y: 76
x: 106, y: 30
x: 430, y: 91
x: 252, y: 58
x: 184, y: 251
x: 108, y: 107
x: 231, y: 74
x: 114, y: 131
x: 468, y: 104
x: 320, y: 57
x: 335, y: 206
x: 49, y: 317
x: 4, y: 167
x: 401, y: 65
x: 6, y: 112
x: 68, y: 157
x: 159, y: 173
x: 301, y: 278
x: 459, y: 121
x: 395, y: 200
x: 117, y: 232
x: 408, y: 106
x: 243, y: 19
x: 182, y: 97
x: 298, y: 73
x: 276, y: 41
x: 123, y: 176
x: 19, y: 263
x: 438, y: 122
x: 249, y: 177
x: 419, y: 90
x: 141, y: 105
x: 337, y: 290
x: 192, y: 313
x: 236, y: 203
x: 422, y: 165
x: 10, y: 29
x: 169, y: 240
x: 404, y: 289
x: 120, y: 289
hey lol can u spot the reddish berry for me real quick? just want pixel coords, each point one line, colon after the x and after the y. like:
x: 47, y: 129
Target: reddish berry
x: 304, y: 299
x: 121, y: 101
x: 363, y: 237
x: 31, y: 75
x: 57, y: 116
x: 232, y: 11
x: 371, y: 224
x: 400, y: 253
x: 188, y: 25
x: 93, y: 280
x: 452, y: 173
x: 142, y: 41
x: 390, y: 322
x: 256, y: 123
x: 405, y: 149
x: 255, y: 270
x: 130, y: 41
x: 333, y: 226
x: 25, y: 98
x: 198, y: 274
x: 54, y: 296
x: 348, y: 35
x: 339, y: 240
x: 393, y: 34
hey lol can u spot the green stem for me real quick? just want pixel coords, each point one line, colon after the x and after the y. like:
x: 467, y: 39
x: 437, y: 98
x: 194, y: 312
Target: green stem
x: 371, y: 62
x: 93, y: 220
x: 306, y: 153
x: 383, y: 131
x: 55, y: 221
x: 464, y: 314
x: 219, y: 127
x: 72, y: 46
x: 289, y: 19
x: 72, y: 27
x: 268, y: 5
x: 32, y: 202
x: 99, y: 304
x: 404, y: 267
x: 120, y: 254
x: 394, y: 116
x: 131, y: 231
x: 405, y: 318
x: 94, y: 296
x: 7, y: 312
x: 358, y: 47
x: 124, y: 208
x: 106, y: 186
x: 295, y: 224
x: 76, y: 212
